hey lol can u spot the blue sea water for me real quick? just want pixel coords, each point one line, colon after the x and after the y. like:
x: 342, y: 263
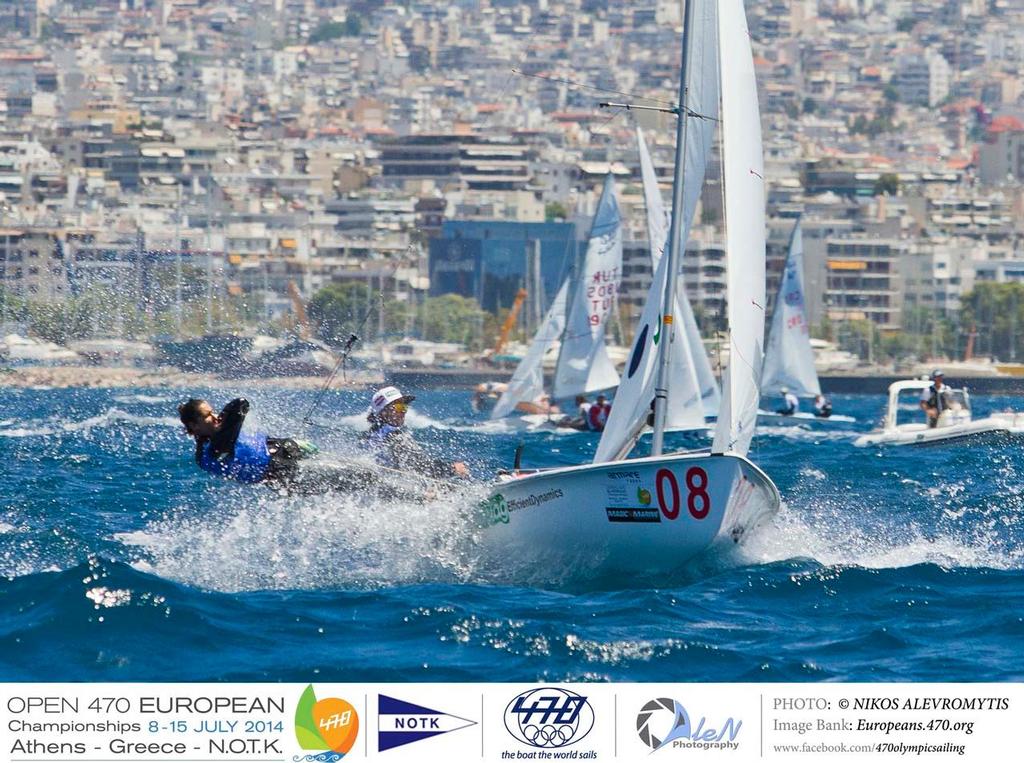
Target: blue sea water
x: 120, y: 561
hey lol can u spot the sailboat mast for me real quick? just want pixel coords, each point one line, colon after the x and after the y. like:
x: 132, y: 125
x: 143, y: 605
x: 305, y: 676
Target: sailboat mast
x: 674, y: 245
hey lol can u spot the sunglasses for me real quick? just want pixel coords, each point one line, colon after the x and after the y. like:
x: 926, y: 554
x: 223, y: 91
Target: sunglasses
x: 400, y: 407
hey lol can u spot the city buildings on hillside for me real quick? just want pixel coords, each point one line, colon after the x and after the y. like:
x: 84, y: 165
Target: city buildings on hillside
x: 437, y: 147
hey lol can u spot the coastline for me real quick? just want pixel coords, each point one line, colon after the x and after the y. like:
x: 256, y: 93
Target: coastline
x: 60, y: 377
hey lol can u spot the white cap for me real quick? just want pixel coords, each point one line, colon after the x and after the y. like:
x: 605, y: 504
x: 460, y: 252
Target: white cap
x: 784, y: 390
x: 385, y: 396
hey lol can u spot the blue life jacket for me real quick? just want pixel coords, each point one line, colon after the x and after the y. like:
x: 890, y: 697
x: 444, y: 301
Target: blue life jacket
x: 250, y: 461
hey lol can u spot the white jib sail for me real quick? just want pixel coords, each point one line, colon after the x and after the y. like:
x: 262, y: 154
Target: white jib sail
x: 699, y: 135
x: 743, y: 172
x: 636, y: 391
x: 527, y: 382
x: 583, y: 363
x: 788, y: 358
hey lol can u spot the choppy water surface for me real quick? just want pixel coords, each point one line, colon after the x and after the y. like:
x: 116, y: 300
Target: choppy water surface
x: 119, y: 560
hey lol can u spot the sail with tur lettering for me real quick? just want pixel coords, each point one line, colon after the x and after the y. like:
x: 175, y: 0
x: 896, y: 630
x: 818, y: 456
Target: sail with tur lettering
x: 583, y: 363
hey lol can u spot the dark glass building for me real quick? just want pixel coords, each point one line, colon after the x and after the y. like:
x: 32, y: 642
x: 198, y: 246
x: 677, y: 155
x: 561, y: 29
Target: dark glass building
x: 491, y: 260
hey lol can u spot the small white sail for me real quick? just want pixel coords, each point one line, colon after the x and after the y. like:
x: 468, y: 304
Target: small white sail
x: 699, y: 136
x: 583, y: 363
x: 743, y: 172
x: 527, y: 383
x: 788, y: 358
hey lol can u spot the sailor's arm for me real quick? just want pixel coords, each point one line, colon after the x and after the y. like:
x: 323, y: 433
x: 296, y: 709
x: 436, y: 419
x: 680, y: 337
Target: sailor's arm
x: 231, y: 420
x: 409, y: 453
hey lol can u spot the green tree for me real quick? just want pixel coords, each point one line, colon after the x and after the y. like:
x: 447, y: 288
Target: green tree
x: 886, y: 183
x: 859, y: 337
x: 353, y: 26
x: 994, y: 312
x: 810, y: 106
x: 555, y: 210
x: 906, y: 24
x: 338, y: 309
x: 453, y: 318
x: 326, y: 31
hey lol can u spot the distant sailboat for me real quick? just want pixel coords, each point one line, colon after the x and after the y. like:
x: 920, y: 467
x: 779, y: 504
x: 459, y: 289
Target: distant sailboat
x: 789, y: 359
x: 527, y: 383
x: 650, y: 515
x: 583, y: 365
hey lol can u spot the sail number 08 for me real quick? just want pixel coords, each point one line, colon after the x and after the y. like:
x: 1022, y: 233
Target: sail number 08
x: 698, y: 502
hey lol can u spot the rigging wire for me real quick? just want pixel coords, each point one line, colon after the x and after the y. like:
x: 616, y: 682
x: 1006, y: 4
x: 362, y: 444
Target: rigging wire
x: 353, y: 337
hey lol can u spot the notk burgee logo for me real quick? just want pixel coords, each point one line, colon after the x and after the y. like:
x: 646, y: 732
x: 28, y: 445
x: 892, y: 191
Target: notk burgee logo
x: 328, y: 727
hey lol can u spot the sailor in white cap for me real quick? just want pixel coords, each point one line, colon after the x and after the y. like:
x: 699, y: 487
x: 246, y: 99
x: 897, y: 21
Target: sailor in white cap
x: 393, y: 444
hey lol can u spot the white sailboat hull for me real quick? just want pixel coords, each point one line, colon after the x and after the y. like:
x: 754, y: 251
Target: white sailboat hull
x: 642, y: 516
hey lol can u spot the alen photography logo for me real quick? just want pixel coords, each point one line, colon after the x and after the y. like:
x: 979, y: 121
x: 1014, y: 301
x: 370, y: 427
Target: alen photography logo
x: 549, y: 718
x: 328, y: 726
x: 663, y: 722
x: 400, y: 722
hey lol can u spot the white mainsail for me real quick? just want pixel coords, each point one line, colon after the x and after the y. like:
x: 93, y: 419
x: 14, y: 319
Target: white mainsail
x: 699, y: 137
x: 788, y: 358
x: 583, y: 363
x: 527, y: 383
x: 743, y: 173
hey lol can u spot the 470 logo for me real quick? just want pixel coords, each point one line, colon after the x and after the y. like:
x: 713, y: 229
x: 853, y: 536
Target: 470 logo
x: 549, y: 718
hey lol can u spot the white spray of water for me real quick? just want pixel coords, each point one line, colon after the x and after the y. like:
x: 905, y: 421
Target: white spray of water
x: 947, y: 530
x: 335, y: 540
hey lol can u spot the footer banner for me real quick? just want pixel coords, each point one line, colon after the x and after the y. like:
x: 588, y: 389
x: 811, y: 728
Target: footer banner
x: 265, y: 723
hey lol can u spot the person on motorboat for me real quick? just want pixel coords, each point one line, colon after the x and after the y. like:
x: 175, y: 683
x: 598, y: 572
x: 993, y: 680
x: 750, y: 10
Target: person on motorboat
x: 790, y: 402
x: 936, y: 398
x: 822, y: 406
x: 223, y: 449
x: 597, y: 416
x: 393, y: 445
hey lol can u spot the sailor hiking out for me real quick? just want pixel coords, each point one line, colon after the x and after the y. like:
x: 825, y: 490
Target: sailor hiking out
x: 223, y: 449
x: 393, y: 445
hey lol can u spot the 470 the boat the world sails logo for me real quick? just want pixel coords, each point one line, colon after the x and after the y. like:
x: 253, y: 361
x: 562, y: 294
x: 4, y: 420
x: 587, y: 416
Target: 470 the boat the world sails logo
x: 328, y: 727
